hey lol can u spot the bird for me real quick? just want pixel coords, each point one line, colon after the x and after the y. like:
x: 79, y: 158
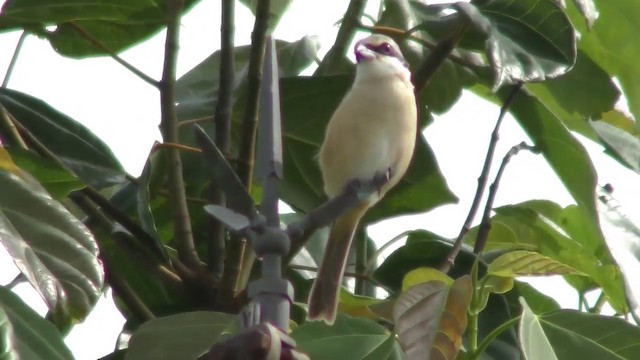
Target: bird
x: 372, y: 133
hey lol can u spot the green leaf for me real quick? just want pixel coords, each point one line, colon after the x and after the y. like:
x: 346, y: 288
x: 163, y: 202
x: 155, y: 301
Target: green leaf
x: 533, y: 340
x: 625, y: 146
x: 430, y: 318
x: 144, y: 200
x: 584, y: 93
x: 588, y: 10
x: 537, y: 301
x: 53, y: 249
x: 615, y: 27
x: 116, y: 24
x: 525, y: 41
x: 197, y: 90
x: 564, y: 235
x: 54, y: 178
x: 278, y: 8
x: 181, y: 336
x: 81, y: 151
x: 570, y: 334
x: 359, y: 338
x: 26, y: 335
x: 528, y: 263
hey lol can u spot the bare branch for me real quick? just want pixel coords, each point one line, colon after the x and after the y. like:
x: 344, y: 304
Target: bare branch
x: 482, y: 183
x: 485, y: 225
x: 137, y: 72
x: 14, y: 59
x: 216, y: 243
x: 169, y: 128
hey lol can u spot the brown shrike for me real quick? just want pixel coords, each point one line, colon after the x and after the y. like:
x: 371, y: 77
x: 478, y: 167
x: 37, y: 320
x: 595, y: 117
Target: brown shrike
x: 372, y: 133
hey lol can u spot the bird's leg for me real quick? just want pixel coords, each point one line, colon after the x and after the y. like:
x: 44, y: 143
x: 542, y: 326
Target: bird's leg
x: 362, y: 188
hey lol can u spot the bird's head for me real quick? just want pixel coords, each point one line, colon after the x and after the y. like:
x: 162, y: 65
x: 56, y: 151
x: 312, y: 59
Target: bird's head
x: 379, y: 56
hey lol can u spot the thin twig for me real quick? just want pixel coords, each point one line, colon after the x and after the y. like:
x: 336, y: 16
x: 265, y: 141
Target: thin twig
x: 14, y: 59
x: 235, y: 252
x: 9, y: 123
x: 485, y: 225
x: 216, y: 243
x: 338, y: 51
x: 95, y: 42
x: 123, y: 241
x: 180, y: 147
x: 482, y: 183
x: 200, y: 120
x: 19, y: 279
x: 183, y: 233
x: 383, y: 248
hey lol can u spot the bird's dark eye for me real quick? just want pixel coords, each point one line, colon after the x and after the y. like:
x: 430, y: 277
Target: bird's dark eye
x: 385, y: 48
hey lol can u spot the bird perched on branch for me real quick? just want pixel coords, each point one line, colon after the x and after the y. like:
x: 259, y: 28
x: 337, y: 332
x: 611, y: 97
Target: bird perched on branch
x: 371, y: 134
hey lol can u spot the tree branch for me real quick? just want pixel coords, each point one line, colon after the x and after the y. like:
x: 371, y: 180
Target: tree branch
x: 146, y: 78
x: 14, y: 59
x: 215, y: 258
x: 338, y: 51
x: 235, y: 252
x: 482, y: 183
x: 183, y: 233
x: 485, y: 225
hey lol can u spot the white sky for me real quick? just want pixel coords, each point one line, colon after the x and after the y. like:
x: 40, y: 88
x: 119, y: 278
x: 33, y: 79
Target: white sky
x: 124, y: 112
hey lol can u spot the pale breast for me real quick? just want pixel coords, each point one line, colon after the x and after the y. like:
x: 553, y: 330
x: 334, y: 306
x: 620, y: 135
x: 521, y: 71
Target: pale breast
x: 372, y: 130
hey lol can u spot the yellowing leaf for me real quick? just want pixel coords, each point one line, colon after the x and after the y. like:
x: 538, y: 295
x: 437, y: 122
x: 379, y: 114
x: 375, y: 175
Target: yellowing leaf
x: 422, y: 275
x: 431, y: 317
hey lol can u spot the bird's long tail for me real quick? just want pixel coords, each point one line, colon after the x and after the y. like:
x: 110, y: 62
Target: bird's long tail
x: 323, y: 298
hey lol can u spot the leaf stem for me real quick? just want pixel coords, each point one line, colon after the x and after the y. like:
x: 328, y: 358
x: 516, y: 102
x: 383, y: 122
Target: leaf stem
x: 14, y: 59
x: 492, y: 336
x: 183, y: 233
x: 350, y: 22
x: 137, y: 72
x: 482, y: 183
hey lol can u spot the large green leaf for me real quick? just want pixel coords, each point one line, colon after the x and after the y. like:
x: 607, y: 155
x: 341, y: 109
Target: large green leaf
x: 565, y: 154
x: 81, y: 151
x: 625, y: 146
x: 26, y: 335
x: 565, y: 235
x: 197, y: 90
x: 570, y: 334
x: 525, y: 40
x: 181, y: 336
x: 58, y: 181
x: 53, y: 249
x: 582, y: 94
x: 115, y: 24
x: 610, y: 44
x: 359, y: 338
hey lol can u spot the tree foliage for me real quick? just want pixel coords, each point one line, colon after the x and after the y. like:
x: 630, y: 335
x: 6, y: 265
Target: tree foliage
x: 75, y: 222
